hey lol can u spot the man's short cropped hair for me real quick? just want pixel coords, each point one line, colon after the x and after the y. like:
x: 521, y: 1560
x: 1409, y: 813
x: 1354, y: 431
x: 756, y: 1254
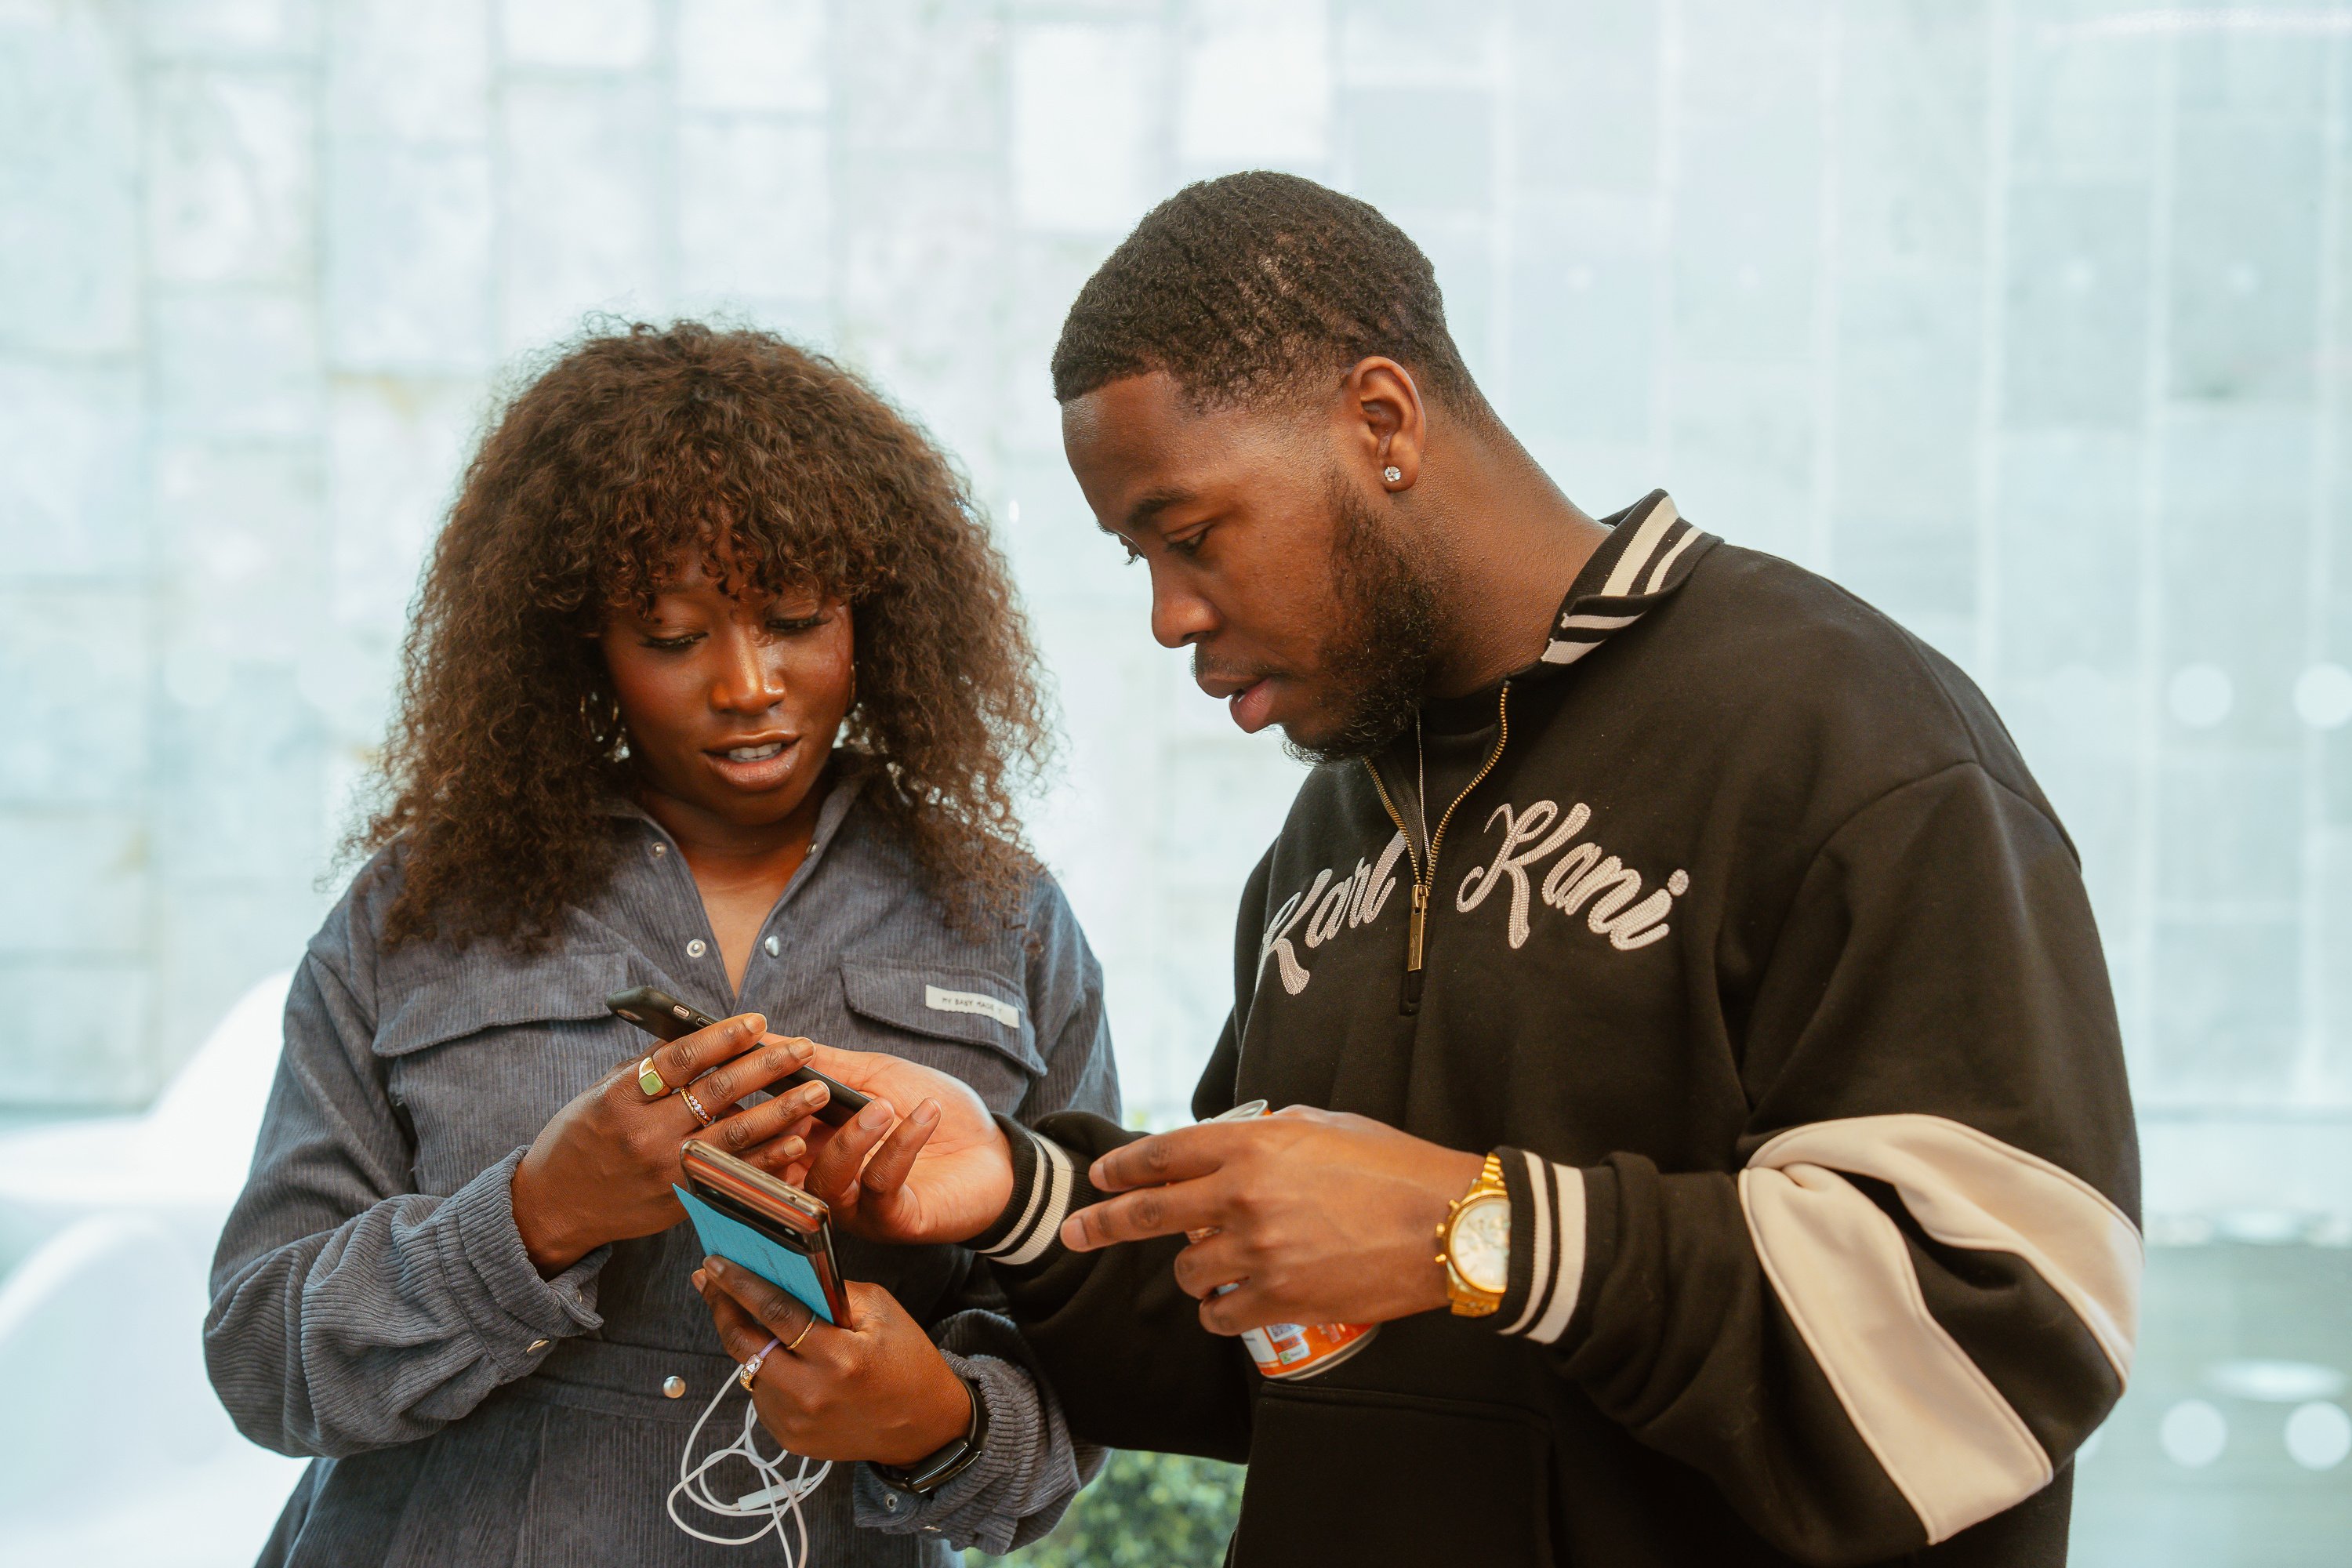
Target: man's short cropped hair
x: 1258, y: 285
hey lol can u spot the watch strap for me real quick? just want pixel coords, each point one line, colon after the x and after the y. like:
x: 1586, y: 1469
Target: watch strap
x: 1468, y: 1299
x: 950, y: 1459
x: 1490, y: 1179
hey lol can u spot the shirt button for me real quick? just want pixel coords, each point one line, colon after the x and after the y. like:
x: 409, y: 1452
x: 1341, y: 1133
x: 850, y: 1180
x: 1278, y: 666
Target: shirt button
x: 890, y: 1502
x: 697, y: 948
x: 536, y: 1346
x: 673, y: 1387
x: 773, y: 947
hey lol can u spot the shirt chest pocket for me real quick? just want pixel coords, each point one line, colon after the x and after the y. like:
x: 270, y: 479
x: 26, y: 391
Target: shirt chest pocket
x: 969, y: 1023
x: 479, y: 1056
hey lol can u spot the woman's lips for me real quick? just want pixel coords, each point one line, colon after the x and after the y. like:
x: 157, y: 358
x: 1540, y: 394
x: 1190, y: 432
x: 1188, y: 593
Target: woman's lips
x: 755, y: 768
x: 1253, y: 705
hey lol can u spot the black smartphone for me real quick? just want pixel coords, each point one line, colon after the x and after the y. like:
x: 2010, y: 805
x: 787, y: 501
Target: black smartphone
x: 660, y: 1013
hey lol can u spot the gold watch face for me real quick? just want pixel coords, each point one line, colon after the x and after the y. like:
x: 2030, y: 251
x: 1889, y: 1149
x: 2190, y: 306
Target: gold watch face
x: 1480, y: 1243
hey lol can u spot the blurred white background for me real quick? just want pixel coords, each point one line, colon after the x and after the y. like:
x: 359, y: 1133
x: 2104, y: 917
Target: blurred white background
x: 2025, y: 320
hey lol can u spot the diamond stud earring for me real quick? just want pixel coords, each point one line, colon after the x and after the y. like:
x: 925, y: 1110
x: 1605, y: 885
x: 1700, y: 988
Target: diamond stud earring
x: 1392, y: 473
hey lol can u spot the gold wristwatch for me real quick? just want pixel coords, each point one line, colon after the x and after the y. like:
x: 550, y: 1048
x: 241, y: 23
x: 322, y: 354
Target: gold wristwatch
x: 1475, y: 1244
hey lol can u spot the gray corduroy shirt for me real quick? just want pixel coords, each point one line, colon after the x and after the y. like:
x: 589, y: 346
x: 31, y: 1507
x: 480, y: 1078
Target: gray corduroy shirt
x: 372, y: 1304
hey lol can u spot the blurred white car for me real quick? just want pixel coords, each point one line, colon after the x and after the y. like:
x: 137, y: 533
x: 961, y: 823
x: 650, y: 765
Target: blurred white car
x: 114, y: 1450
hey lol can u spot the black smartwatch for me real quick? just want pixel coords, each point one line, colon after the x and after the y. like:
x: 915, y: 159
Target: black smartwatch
x: 928, y: 1474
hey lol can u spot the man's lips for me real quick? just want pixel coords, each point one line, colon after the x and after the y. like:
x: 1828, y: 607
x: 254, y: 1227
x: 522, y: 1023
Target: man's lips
x: 1253, y: 706
x: 1248, y: 698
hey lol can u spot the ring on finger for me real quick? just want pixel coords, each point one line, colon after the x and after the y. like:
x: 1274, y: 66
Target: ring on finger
x: 797, y: 1338
x: 649, y: 1079
x: 695, y: 1105
x: 750, y: 1369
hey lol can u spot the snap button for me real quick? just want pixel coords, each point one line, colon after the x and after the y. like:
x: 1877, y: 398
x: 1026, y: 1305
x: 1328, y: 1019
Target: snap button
x: 697, y: 948
x: 537, y: 1346
x: 890, y: 1502
x: 673, y: 1387
x: 773, y: 947
x: 661, y: 848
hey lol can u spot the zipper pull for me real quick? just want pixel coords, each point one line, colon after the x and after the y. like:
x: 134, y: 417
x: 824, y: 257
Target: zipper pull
x: 1413, y: 930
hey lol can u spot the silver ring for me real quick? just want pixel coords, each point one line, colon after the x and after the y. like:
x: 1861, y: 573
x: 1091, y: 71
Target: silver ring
x: 750, y: 1369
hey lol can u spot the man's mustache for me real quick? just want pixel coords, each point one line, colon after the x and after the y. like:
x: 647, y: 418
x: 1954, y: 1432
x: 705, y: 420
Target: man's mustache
x: 1243, y: 674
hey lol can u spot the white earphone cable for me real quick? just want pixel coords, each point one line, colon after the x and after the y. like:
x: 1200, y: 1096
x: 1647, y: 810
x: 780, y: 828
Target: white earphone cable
x: 782, y: 1496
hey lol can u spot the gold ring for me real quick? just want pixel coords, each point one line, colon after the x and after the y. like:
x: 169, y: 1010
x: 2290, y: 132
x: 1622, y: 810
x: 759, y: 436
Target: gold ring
x: 650, y: 1080
x: 802, y: 1335
x: 696, y: 1106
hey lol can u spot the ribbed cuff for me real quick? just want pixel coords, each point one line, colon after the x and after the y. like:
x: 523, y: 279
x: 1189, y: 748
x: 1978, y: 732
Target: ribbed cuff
x: 515, y: 1312
x: 1007, y: 1451
x: 1547, y: 1252
x: 1048, y: 1183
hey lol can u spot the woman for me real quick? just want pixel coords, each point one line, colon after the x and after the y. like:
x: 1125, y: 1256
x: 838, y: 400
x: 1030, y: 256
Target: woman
x: 716, y: 684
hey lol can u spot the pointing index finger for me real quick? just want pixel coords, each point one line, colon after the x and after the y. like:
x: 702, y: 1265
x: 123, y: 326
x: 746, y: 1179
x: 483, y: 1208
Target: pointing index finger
x: 1138, y: 1215
x: 1179, y: 1156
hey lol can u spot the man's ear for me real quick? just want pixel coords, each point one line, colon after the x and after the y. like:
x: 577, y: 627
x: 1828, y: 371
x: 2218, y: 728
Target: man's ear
x: 1388, y: 422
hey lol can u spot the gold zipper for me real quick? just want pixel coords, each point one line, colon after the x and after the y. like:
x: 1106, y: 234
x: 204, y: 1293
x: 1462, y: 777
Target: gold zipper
x: 1425, y: 878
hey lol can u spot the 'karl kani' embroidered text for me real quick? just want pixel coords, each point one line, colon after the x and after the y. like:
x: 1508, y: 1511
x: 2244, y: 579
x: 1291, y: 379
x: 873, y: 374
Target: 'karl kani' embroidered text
x: 1584, y: 880
x: 1583, y: 876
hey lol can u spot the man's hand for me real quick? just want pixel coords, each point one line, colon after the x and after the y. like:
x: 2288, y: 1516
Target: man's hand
x: 943, y: 1173
x: 1321, y: 1217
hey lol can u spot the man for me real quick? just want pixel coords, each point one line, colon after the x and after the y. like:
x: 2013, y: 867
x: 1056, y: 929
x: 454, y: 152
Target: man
x: 1699, y: 903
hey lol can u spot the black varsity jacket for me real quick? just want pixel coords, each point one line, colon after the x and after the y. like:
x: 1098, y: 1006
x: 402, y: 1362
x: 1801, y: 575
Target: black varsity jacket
x: 1762, y: 960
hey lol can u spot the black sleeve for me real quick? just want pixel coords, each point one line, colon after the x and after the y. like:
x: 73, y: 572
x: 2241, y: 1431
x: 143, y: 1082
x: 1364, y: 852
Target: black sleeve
x: 1920, y: 1293
x: 1122, y: 1344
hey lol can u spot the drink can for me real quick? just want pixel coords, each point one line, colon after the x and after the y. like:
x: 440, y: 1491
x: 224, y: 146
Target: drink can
x: 1292, y: 1352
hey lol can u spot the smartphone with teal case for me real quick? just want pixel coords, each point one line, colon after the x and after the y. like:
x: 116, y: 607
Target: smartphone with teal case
x: 747, y: 1216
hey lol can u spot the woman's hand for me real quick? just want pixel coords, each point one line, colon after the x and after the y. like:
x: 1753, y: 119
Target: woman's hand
x: 600, y: 1170
x: 874, y: 1388
x: 943, y: 1173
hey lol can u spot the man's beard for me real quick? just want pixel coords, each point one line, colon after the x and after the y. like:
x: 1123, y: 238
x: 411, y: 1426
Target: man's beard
x: 1383, y: 631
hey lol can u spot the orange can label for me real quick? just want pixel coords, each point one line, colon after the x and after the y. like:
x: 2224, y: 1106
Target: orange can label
x: 1292, y: 1351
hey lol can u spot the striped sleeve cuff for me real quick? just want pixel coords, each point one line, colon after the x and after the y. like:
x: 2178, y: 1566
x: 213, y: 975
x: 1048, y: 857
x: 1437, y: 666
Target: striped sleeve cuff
x: 1048, y: 1182
x: 1547, y: 1246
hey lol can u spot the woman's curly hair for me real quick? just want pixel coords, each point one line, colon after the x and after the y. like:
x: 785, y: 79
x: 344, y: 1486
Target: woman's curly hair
x: 633, y: 450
